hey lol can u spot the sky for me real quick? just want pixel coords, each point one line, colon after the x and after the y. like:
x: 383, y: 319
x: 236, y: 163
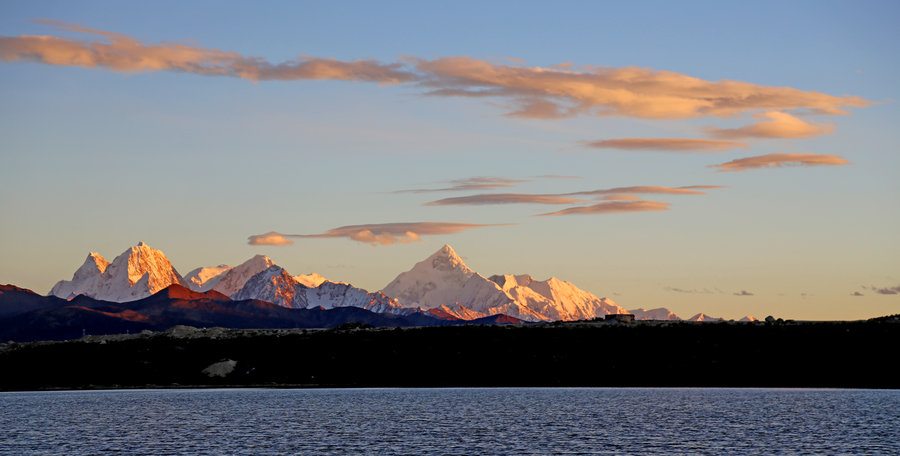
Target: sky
x: 731, y: 158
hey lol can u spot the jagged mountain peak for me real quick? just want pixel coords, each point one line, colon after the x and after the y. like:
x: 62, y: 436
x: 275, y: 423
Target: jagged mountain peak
x: 446, y: 259
x: 234, y: 279
x: 444, y: 280
x: 138, y: 272
x: 95, y: 260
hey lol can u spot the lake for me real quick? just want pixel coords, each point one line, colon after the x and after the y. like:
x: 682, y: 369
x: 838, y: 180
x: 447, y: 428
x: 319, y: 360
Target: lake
x: 451, y: 421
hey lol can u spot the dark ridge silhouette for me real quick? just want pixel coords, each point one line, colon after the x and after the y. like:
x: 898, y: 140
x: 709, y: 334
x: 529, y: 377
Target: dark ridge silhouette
x: 15, y: 300
x: 27, y: 316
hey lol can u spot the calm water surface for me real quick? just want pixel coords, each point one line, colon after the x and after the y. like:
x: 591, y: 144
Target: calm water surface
x: 451, y: 421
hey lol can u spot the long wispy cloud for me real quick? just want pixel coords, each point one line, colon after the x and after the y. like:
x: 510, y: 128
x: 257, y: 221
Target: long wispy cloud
x: 647, y: 189
x: 665, y: 144
x: 617, y: 193
x: 471, y: 183
x: 779, y: 160
x: 538, y: 92
x: 886, y: 290
x: 483, y: 183
x: 123, y: 53
x: 535, y: 92
x: 613, y: 207
x: 775, y: 125
x: 694, y: 290
x: 375, y: 234
x: 504, y: 198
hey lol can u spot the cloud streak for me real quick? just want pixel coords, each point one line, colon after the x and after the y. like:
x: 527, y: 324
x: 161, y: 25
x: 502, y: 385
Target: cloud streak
x: 504, y: 198
x: 270, y: 238
x: 531, y: 92
x: 375, y: 234
x: 665, y: 144
x: 886, y: 290
x: 537, y: 92
x: 609, y: 194
x: 122, y: 53
x: 471, y: 183
x: 779, y: 160
x: 777, y: 125
x: 613, y: 207
x: 484, y: 183
x: 646, y: 189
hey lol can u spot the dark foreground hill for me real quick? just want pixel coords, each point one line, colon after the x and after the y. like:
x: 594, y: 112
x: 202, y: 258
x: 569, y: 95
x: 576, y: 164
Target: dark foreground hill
x: 813, y: 354
x: 26, y: 316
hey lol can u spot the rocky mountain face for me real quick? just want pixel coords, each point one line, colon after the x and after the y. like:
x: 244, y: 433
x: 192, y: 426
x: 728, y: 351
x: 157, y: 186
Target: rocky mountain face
x: 277, y: 286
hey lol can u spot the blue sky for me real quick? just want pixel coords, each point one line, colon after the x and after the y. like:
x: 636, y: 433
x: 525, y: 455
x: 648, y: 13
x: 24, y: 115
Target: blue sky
x: 98, y: 158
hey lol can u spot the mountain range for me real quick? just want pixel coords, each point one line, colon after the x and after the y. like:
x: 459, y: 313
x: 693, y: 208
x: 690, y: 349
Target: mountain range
x: 441, y: 288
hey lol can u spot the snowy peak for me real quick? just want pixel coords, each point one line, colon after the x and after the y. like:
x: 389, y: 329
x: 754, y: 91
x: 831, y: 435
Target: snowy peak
x: 94, y: 261
x: 275, y: 285
x: 446, y: 259
x: 311, y: 280
x: 272, y: 284
x: 235, y: 278
x: 136, y: 273
x: 204, y: 279
x: 703, y: 317
x: 143, y: 260
x: 443, y: 281
x: 660, y: 313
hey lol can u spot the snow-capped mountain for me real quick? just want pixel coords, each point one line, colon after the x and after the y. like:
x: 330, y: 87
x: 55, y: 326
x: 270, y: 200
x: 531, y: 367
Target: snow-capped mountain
x: 444, y: 281
x: 660, y: 313
x: 204, y: 279
x: 310, y: 280
x: 703, y: 317
x: 275, y: 285
x: 234, y: 279
x: 137, y: 273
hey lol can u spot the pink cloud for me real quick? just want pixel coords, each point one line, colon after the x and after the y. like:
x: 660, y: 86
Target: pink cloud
x: 375, y: 234
x: 779, y: 160
x: 270, y: 238
x: 665, y: 144
x: 125, y: 54
x: 472, y: 183
x: 776, y: 125
x: 504, y: 198
x: 614, y: 207
x: 534, y: 92
x: 629, y: 91
x: 645, y: 189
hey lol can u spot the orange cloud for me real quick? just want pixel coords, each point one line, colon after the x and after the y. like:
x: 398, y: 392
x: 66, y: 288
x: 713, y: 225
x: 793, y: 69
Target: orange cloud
x: 780, y: 160
x: 126, y: 54
x: 614, y: 207
x: 643, y: 189
x: 620, y: 197
x: 630, y: 91
x: 270, y: 238
x: 618, y: 193
x: 534, y: 92
x: 472, y: 183
x: 376, y: 234
x: 669, y: 144
x: 504, y: 198
x: 778, y: 125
